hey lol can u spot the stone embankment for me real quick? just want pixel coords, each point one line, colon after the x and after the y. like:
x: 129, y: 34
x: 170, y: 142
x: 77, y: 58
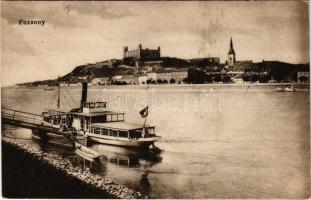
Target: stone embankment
x: 106, y: 185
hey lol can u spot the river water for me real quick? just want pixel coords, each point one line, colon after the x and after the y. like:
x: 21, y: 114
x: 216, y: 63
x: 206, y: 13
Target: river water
x: 216, y: 142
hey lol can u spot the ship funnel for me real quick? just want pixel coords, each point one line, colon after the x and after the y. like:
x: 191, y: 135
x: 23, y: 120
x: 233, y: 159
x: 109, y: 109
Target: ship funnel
x: 84, y: 93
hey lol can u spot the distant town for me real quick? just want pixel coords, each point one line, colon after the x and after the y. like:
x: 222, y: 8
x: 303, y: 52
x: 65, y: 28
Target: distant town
x: 146, y: 66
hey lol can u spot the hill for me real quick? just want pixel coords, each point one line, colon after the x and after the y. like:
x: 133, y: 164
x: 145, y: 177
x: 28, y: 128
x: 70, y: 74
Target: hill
x: 279, y: 71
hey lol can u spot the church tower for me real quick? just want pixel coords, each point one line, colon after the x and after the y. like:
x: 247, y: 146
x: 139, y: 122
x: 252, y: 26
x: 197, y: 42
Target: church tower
x: 231, y: 55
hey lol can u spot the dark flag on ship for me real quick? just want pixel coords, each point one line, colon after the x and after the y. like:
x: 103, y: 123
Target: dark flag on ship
x: 144, y: 112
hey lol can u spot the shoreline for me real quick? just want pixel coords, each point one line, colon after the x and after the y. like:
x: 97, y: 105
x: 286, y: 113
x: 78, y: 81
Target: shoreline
x: 103, y: 187
x: 178, y: 86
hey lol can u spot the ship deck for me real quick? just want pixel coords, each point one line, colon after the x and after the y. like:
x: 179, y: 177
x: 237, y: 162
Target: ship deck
x: 120, y: 125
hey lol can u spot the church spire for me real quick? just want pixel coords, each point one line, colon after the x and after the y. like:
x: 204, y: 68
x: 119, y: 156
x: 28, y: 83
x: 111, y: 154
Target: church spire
x: 231, y: 55
x: 231, y: 44
x: 231, y: 50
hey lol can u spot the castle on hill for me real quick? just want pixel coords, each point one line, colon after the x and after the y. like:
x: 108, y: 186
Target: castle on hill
x: 141, y: 53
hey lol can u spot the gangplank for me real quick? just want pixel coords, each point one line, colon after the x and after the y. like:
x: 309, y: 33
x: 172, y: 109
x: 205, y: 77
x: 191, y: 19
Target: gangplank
x: 27, y: 120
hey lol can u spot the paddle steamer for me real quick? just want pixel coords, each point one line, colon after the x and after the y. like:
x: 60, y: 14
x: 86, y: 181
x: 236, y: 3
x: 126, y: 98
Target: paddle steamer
x: 93, y: 121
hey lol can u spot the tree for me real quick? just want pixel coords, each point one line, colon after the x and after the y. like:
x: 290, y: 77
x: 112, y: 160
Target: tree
x: 195, y: 76
x: 263, y: 78
x: 217, y: 78
x: 227, y: 79
x: 303, y: 79
x: 149, y: 81
x: 159, y: 81
x: 254, y: 78
x: 165, y: 81
x: 172, y: 81
x: 208, y: 79
x: 246, y: 78
x: 185, y: 80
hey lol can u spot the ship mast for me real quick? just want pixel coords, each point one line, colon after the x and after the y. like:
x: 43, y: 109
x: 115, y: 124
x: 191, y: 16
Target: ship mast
x: 58, y: 94
x: 145, y: 122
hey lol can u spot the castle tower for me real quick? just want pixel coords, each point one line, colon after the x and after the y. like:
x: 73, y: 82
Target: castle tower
x: 159, y: 52
x: 231, y: 55
x: 125, y: 49
x: 139, y: 50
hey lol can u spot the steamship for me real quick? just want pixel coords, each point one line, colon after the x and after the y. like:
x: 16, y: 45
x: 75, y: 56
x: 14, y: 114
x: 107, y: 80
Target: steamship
x: 93, y: 121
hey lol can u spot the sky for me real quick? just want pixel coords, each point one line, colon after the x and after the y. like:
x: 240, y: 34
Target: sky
x: 77, y: 33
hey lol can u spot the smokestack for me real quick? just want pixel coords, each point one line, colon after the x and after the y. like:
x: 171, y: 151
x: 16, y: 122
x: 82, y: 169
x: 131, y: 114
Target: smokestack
x: 84, y: 93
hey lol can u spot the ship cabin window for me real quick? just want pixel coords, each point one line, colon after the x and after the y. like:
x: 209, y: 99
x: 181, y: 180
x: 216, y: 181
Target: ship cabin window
x: 108, y: 118
x: 124, y: 161
x: 136, y: 133
x: 115, y: 117
x: 99, y: 119
x: 149, y: 131
x: 56, y: 119
x: 123, y: 134
x: 64, y: 119
x: 85, y: 122
x: 113, y: 133
x: 113, y: 160
x: 97, y: 130
x: 104, y: 131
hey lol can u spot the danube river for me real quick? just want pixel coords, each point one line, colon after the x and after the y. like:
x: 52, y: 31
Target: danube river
x: 236, y: 142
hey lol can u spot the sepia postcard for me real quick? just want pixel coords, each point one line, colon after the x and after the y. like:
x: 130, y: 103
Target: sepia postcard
x: 155, y: 99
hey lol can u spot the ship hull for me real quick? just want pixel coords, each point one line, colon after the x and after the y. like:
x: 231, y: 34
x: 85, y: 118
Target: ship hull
x: 124, y: 142
x: 57, y: 139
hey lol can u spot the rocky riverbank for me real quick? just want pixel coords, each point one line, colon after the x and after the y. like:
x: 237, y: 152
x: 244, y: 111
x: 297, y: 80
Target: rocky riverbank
x: 63, y: 167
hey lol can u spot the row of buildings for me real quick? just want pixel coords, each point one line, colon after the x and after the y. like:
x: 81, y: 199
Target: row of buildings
x: 149, y: 67
x: 162, y: 76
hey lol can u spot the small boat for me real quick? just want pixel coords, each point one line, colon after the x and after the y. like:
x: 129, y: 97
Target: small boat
x: 289, y: 89
x: 279, y: 89
x: 85, y: 152
x: 286, y: 89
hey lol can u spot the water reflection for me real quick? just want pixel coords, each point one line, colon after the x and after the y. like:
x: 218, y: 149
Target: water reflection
x: 124, y: 165
x: 127, y: 157
x: 93, y: 167
x: 145, y: 184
